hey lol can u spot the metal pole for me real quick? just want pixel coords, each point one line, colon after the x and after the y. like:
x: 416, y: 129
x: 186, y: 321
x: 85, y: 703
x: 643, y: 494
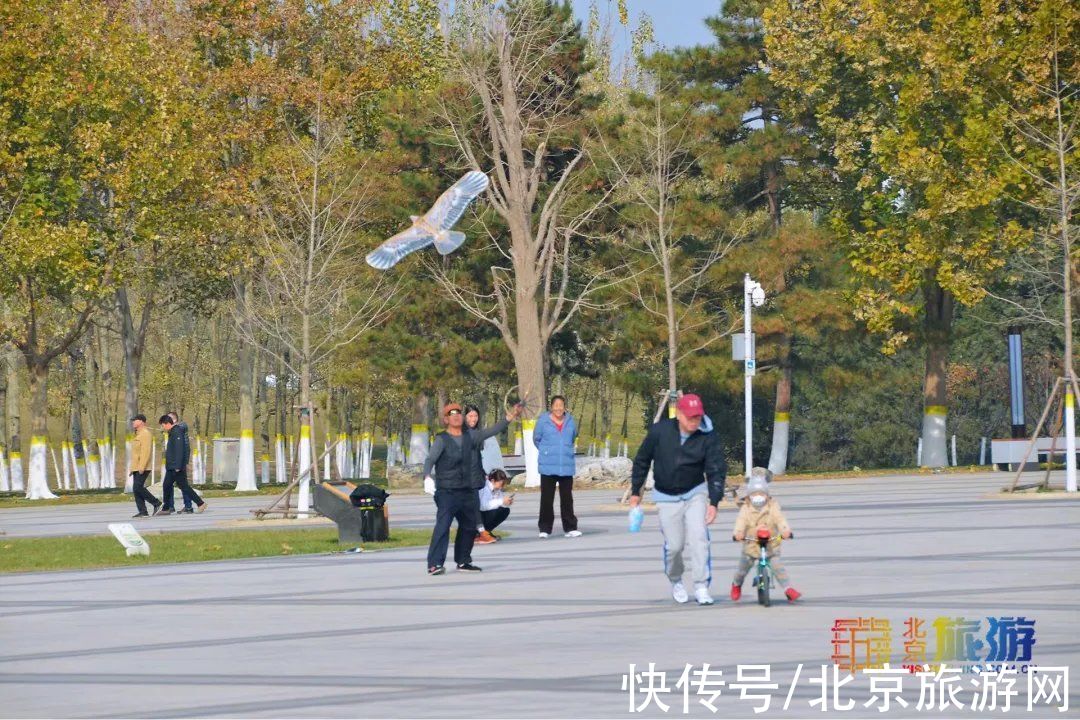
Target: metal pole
x: 749, y: 367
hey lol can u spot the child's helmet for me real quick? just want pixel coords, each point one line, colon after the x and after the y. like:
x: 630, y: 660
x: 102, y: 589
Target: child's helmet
x: 758, y: 481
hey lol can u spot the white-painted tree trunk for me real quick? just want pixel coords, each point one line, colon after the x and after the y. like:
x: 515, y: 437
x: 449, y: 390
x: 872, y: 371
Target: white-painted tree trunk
x: 58, y: 477
x: 129, y: 484
x: 38, y: 485
x: 82, y: 482
x: 197, y: 477
x: 934, y: 440
x: 391, y: 453
x: 5, y: 479
x: 303, y: 457
x: 265, y: 469
x: 519, y: 445
x: 281, y: 471
x: 16, y: 470
x: 1070, y: 441
x: 607, y: 447
x: 245, y: 480
x: 365, y: 456
x: 341, y: 455
x: 65, y: 469
x: 418, y: 445
x: 780, y: 434
x: 532, y: 455
x: 108, y: 478
x: 93, y: 468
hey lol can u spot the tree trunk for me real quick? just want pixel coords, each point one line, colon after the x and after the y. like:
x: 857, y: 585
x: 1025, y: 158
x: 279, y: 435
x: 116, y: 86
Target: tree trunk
x: 938, y: 325
x: 104, y: 379
x: 5, y: 479
x: 133, y: 340
x: 672, y: 323
x: 37, y: 486
x: 782, y: 410
x: 421, y: 422
x: 14, y: 428
x: 245, y: 481
x: 78, y: 454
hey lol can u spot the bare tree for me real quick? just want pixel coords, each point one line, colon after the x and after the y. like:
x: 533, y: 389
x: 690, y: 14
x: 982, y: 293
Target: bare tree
x: 521, y: 120
x: 312, y: 293
x: 655, y: 157
x: 1048, y: 129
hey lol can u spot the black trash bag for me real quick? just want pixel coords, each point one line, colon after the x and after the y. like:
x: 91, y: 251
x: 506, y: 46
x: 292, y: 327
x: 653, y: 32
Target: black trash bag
x: 368, y: 497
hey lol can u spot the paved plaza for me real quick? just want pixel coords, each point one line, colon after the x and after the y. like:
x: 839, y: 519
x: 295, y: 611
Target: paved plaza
x: 549, y: 628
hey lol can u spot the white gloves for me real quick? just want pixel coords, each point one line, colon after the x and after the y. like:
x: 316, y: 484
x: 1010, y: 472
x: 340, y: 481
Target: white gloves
x: 429, y: 486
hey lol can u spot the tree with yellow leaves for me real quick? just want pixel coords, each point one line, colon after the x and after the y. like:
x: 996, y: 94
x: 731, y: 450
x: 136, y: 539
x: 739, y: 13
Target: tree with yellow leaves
x: 908, y: 101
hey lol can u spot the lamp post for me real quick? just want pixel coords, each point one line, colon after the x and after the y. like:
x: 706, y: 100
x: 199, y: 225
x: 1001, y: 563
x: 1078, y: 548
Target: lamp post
x: 753, y: 296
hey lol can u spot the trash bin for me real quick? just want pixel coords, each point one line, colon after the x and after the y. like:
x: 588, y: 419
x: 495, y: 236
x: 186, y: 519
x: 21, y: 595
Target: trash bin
x: 226, y: 461
x: 356, y: 523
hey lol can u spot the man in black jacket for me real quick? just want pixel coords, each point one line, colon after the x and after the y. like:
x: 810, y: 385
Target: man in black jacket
x: 456, y: 484
x: 689, y: 472
x: 176, y: 461
x: 182, y: 428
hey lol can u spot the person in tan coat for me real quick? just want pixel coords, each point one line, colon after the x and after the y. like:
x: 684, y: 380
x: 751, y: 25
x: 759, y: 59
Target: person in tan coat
x: 760, y: 510
x: 141, y: 453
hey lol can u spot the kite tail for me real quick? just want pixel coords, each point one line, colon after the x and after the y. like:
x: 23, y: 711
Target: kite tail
x: 449, y: 241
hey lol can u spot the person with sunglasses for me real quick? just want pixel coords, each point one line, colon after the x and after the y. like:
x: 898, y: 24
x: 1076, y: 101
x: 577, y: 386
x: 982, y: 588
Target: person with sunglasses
x: 457, y: 486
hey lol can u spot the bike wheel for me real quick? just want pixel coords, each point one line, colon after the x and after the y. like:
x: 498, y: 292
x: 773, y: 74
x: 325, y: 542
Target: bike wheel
x: 763, y: 590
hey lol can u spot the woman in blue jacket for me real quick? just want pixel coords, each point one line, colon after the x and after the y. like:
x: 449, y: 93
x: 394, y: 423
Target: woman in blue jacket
x: 554, y: 437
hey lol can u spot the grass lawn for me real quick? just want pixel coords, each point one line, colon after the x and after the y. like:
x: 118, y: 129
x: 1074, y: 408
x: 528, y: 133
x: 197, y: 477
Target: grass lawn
x: 83, y: 497
x: 67, y: 553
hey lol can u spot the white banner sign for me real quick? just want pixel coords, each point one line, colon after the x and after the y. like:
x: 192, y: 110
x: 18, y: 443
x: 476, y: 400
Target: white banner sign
x: 129, y: 538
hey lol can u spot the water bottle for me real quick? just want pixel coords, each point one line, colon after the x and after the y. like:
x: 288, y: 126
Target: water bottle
x: 637, y: 516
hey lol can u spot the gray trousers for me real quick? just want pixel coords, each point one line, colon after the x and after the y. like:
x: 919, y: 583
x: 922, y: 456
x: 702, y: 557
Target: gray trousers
x: 684, y: 529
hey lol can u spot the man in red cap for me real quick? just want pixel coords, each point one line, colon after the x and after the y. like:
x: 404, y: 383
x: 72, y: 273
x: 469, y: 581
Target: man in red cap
x: 689, y: 471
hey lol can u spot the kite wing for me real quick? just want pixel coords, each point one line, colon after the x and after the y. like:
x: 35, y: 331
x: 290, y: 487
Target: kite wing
x: 435, y: 226
x: 392, y: 250
x: 453, y: 203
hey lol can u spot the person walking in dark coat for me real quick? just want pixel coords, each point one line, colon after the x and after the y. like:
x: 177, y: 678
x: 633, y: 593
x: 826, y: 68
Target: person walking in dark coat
x: 689, y: 470
x: 182, y: 428
x: 457, y: 483
x: 176, y: 461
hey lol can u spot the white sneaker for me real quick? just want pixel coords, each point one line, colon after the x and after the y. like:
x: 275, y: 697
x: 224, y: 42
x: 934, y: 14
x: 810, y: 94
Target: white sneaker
x: 574, y: 533
x: 544, y: 536
x: 678, y: 591
x: 702, y: 596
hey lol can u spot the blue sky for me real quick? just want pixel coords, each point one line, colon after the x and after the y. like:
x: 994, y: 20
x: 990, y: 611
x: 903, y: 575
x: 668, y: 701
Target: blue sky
x: 677, y: 23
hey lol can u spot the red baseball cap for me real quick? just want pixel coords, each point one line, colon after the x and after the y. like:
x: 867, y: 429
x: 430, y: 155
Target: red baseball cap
x: 691, y: 406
